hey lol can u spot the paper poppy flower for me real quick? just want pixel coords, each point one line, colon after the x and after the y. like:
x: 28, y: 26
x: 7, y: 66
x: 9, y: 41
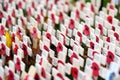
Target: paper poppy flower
x: 95, y: 69
x: 24, y: 48
x: 80, y: 35
x: 110, y: 57
x: 110, y: 19
x: 100, y: 27
x: 116, y: 36
x: 61, y: 17
x: 46, y: 48
x: 111, y: 6
x: 97, y: 39
x: 36, y: 77
x: 43, y: 74
x: 59, y: 47
x: 38, y: 19
x: 15, y: 49
x: 34, y: 32
x: 17, y: 65
x: 48, y: 35
x: 113, y: 28
x: 60, y: 76
x: 1, y: 15
x: 71, y: 24
x: 2, y: 30
x: 10, y: 75
x: 82, y: 5
x: 108, y: 39
x: 74, y: 72
x: 9, y: 20
x: 74, y: 55
x: 29, y: 12
x: 13, y: 13
x: 86, y: 30
x: 92, y: 8
x: 53, y: 18
x: 91, y: 45
x: 19, y: 5
x: 77, y: 14
x: 3, y: 49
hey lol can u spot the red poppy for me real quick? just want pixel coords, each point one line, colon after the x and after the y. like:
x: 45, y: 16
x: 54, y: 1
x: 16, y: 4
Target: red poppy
x: 15, y: 49
x: 113, y: 28
x: 100, y: 28
x: 19, y: 5
x: 34, y: 32
x: 77, y: 14
x: 3, y: 49
x: 111, y: 6
x: 13, y: 13
x: 40, y: 62
x: 9, y: 20
x: 116, y: 36
x: 91, y: 45
x: 24, y: 48
x: 1, y: 15
x: 61, y: 17
x: 95, y: 69
x: 110, y: 19
x: 13, y: 37
x: 17, y: 65
x: 53, y: 18
x: 108, y: 39
x: 2, y: 30
x: 80, y: 35
x: 93, y: 53
x: 46, y: 48
x: 10, y: 75
x: 36, y: 77
x: 29, y: 12
x: 48, y: 35
x: 33, y: 4
x: 74, y: 55
x: 19, y: 32
x: 74, y: 72
x: 92, y: 8
x: 64, y: 41
x: 71, y: 24
x: 59, y: 47
x: 60, y: 76
x: 82, y: 5
x: 110, y: 57
x: 86, y: 30
x: 6, y: 7
x: 23, y: 23
x: 60, y: 61
x: 97, y: 39
x: 38, y: 19
x: 43, y: 74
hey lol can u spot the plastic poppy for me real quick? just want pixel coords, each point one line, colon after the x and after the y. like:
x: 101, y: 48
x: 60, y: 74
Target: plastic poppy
x: 60, y: 76
x: 19, y: 5
x: 17, y: 65
x: 77, y: 14
x: 46, y: 48
x: 74, y: 55
x: 91, y: 45
x: 92, y: 8
x: 113, y: 28
x: 86, y: 30
x: 36, y: 77
x: 1, y: 15
x: 48, y: 35
x: 116, y: 36
x: 61, y: 16
x: 59, y: 47
x: 97, y: 39
x: 95, y: 69
x: 53, y: 18
x: 82, y: 5
x: 43, y: 74
x: 110, y: 57
x: 71, y: 24
x: 38, y: 19
x: 24, y: 48
x: 80, y: 35
x: 108, y: 39
x: 100, y: 28
x: 34, y: 32
x: 74, y: 72
x: 110, y: 19
x: 10, y: 75
x: 3, y: 49
x: 9, y: 20
x: 15, y: 49
x: 2, y: 30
